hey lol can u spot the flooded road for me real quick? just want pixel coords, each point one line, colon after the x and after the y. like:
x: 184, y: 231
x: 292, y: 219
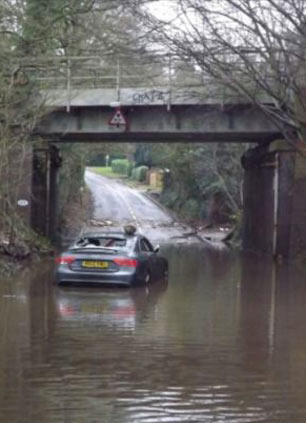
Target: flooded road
x: 222, y: 341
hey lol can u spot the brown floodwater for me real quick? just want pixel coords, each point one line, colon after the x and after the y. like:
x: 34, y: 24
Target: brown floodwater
x: 223, y: 341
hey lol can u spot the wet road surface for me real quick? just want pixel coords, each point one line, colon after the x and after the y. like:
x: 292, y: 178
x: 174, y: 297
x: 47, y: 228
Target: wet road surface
x: 222, y: 341
x: 121, y: 204
x: 118, y: 202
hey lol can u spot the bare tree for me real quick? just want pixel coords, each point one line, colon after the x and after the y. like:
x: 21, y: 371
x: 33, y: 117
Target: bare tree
x: 38, y: 36
x: 253, y: 48
x: 19, y: 112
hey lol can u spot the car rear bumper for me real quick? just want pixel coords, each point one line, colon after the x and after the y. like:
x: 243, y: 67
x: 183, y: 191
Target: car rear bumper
x: 66, y: 275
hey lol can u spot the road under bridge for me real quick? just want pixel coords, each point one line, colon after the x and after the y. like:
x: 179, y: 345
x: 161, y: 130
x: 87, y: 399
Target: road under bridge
x: 274, y: 205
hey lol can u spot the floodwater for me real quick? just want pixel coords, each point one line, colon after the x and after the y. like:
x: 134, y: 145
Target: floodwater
x: 223, y: 341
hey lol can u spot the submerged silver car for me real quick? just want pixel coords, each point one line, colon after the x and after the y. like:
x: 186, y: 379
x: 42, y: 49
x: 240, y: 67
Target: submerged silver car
x: 111, y: 258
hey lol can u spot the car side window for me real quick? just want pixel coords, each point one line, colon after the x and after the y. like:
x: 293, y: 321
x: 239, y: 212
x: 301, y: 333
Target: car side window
x: 146, y: 245
x: 143, y: 246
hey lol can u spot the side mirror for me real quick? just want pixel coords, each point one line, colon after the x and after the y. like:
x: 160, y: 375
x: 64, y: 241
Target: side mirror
x: 156, y: 249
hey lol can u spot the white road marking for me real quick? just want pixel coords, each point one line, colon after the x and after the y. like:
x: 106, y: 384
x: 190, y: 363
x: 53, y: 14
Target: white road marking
x: 131, y: 211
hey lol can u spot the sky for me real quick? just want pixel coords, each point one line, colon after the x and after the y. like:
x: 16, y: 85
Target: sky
x: 163, y: 9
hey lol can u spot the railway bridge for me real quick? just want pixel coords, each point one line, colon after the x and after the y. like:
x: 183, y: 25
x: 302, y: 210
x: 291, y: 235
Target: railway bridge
x: 274, y: 205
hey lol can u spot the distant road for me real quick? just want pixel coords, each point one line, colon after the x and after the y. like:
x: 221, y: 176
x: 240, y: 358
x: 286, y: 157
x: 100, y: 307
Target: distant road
x: 120, y: 204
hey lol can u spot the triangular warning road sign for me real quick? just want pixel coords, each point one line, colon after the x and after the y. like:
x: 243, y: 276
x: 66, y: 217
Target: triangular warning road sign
x: 118, y: 118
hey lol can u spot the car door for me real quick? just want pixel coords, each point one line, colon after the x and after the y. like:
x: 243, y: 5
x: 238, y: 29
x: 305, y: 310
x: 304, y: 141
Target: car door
x: 148, y: 255
x: 157, y: 261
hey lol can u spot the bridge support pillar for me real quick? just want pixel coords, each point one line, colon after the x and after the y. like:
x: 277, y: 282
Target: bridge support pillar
x: 275, y: 201
x: 44, y: 211
x: 39, y: 210
x: 55, y: 163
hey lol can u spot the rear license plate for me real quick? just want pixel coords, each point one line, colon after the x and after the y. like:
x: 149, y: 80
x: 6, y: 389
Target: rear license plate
x: 95, y: 264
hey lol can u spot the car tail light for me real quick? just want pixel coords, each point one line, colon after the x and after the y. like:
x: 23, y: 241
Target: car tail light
x: 64, y: 260
x: 126, y: 262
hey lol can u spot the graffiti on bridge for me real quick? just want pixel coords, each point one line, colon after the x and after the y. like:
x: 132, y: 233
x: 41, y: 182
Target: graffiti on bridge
x: 150, y: 97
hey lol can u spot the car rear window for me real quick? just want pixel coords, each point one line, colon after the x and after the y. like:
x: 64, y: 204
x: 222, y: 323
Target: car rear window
x: 109, y: 241
x: 112, y: 242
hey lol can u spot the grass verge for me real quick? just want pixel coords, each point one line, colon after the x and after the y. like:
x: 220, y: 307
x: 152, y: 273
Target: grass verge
x: 107, y: 171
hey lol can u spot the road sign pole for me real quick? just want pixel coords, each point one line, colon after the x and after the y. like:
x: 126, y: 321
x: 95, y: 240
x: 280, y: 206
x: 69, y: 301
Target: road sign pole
x: 118, y: 79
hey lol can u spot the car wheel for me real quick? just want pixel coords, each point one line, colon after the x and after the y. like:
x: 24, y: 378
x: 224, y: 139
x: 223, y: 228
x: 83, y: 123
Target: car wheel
x: 147, y: 277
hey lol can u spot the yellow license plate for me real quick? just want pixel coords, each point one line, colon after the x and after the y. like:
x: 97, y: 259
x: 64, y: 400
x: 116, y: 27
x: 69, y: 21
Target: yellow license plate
x: 93, y: 309
x: 95, y: 264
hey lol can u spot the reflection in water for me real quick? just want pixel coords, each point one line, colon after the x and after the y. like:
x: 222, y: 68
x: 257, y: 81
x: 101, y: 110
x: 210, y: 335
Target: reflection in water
x: 223, y: 341
x: 118, y: 309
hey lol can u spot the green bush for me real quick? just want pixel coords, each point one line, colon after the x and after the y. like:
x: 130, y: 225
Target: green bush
x: 169, y: 198
x: 191, y: 209
x: 122, y: 166
x: 140, y: 173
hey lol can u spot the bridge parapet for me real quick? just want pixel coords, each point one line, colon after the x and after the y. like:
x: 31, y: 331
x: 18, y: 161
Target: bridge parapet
x: 151, y: 79
x: 163, y: 98
x: 140, y: 96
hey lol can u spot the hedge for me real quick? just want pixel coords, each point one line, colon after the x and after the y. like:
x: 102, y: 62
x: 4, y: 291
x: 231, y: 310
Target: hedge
x: 121, y: 166
x: 140, y: 173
